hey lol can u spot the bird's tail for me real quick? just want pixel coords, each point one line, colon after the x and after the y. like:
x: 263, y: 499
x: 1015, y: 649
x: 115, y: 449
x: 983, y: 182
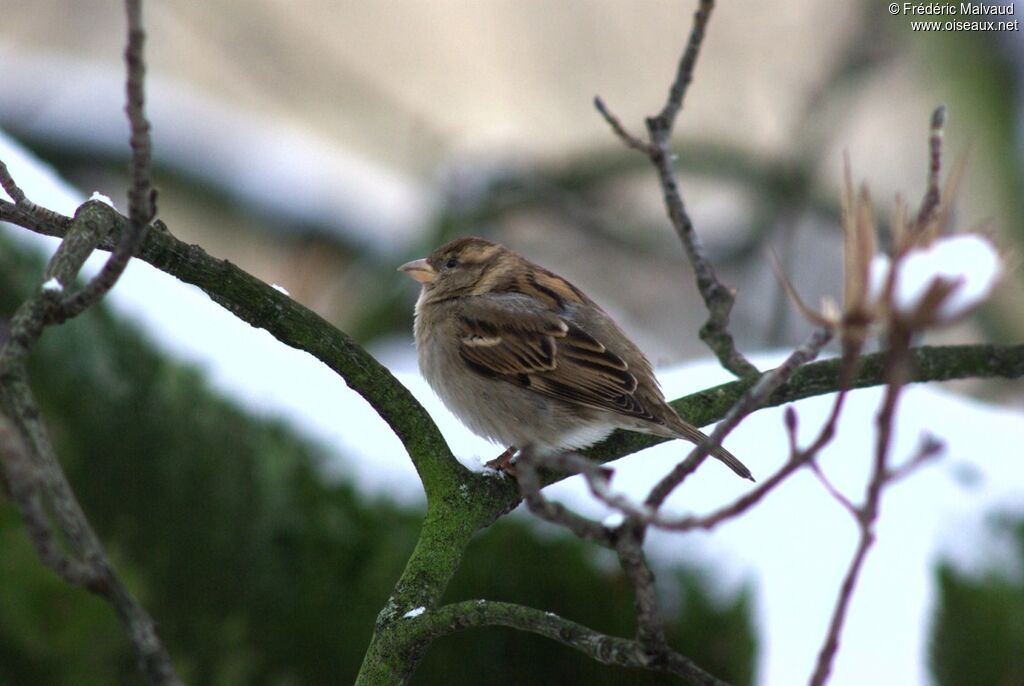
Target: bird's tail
x: 695, y: 435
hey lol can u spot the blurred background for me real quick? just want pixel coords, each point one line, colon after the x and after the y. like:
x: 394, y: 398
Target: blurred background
x: 320, y: 144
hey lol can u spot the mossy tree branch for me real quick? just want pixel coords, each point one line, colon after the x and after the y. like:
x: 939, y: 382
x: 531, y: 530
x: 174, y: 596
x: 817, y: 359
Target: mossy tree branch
x: 608, y: 650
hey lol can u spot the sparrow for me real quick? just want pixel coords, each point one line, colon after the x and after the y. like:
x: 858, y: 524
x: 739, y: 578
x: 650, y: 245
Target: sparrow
x: 525, y: 359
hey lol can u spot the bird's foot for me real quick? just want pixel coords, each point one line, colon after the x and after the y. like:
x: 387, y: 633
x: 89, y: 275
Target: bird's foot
x: 503, y: 462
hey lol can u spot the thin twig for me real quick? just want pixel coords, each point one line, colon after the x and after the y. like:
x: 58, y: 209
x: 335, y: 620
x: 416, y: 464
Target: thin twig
x: 22, y: 205
x: 530, y: 486
x: 836, y: 494
x: 44, y: 307
x: 600, y: 489
x: 828, y: 650
x: 933, y: 195
x: 626, y: 540
x: 33, y: 474
x: 32, y: 471
x: 141, y: 195
x: 717, y: 297
x: 866, y: 515
x: 650, y: 631
x: 630, y: 140
x: 9, y: 185
x: 599, y: 482
x: 929, y: 449
x: 665, y: 119
x: 750, y: 401
x: 797, y: 459
x: 26, y: 483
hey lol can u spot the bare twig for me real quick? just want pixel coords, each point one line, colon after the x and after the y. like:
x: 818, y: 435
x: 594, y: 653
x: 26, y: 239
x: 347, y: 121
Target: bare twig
x: 22, y: 205
x: 598, y: 482
x: 626, y: 540
x: 650, y: 630
x: 929, y: 449
x: 933, y: 195
x: 665, y: 119
x: 718, y: 298
x: 33, y: 475
x: 141, y: 195
x: 836, y: 494
x: 750, y: 401
x: 27, y: 484
x: 619, y: 130
x: 45, y: 306
x: 798, y: 458
x: 866, y: 514
x: 828, y: 650
x: 11, y: 186
x: 530, y: 486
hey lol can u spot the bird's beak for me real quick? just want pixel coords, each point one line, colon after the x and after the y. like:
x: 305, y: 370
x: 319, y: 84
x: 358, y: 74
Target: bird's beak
x: 419, y: 270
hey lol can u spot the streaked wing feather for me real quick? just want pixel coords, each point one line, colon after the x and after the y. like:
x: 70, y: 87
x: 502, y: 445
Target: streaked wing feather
x: 543, y: 352
x: 514, y: 345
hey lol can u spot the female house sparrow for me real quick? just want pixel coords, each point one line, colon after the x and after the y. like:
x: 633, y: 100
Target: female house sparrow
x: 524, y: 358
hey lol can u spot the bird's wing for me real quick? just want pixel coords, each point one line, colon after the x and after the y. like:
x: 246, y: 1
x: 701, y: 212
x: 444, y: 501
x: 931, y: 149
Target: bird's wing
x: 514, y: 340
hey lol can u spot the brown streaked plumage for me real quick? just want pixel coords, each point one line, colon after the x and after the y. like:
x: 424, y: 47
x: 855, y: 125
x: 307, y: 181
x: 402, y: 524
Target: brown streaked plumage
x: 525, y: 358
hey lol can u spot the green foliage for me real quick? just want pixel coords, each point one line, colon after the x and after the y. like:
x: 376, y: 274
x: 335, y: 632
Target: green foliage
x: 257, y: 568
x: 716, y: 631
x: 978, y: 628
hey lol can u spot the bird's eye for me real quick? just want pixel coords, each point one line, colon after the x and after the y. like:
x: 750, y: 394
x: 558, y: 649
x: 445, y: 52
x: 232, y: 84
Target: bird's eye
x: 452, y: 263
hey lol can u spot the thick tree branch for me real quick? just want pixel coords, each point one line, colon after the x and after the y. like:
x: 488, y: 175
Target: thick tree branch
x: 256, y: 303
x: 927, y: 363
x: 609, y: 650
